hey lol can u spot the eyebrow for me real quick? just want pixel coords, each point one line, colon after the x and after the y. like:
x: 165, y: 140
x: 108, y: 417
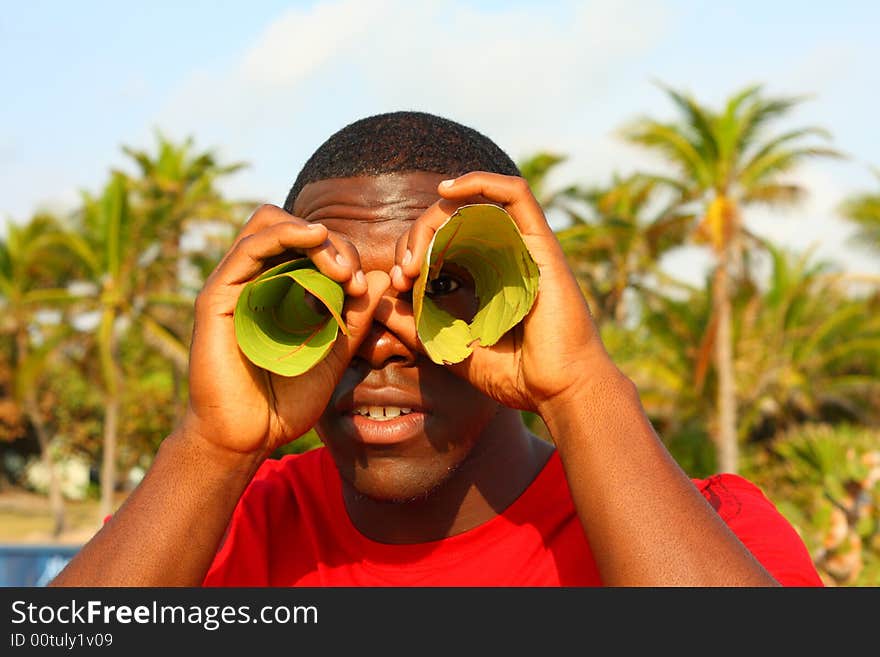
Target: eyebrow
x: 368, y: 213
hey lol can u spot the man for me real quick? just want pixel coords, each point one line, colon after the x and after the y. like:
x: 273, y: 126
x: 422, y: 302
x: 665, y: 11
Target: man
x: 428, y: 475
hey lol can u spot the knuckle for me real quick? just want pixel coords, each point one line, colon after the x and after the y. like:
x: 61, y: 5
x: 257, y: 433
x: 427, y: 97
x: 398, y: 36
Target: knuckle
x: 521, y: 185
x: 200, y: 302
x: 259, y: 214
x: 244, y: 244
x: 264, y: 209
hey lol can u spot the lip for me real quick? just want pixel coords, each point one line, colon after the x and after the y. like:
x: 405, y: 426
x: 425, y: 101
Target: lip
x: 384, y: 432
x: 388, y: 396
x: 367, y: 431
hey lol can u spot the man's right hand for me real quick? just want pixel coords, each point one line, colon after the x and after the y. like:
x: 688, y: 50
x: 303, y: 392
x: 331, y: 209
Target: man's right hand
x: 237, y: 406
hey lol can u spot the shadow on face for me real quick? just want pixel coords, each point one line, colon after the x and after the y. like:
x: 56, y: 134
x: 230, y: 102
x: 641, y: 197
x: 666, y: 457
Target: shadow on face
x: 408, y: 457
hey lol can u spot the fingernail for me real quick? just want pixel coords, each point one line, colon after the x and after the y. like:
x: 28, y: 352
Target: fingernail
x: 447, y: 183
x: 396, y: 272
x: 314, y: 226
x: 341, y: 260
x: 407, y: 257
x: 359, y: 278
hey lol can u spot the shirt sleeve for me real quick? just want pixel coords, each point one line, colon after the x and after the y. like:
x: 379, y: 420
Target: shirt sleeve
x: 762, y: 528
x: 241, y: 557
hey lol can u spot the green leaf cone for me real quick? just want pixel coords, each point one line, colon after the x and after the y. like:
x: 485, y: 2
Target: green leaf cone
x: 275, y: 325
x: 278, y: 330
x: 483, y: 239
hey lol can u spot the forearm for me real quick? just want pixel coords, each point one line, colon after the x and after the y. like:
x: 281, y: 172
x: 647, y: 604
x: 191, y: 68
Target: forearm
x: 646, y: 522
x: 167, y: 531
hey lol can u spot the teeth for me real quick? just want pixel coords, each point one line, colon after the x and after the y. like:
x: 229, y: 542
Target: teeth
x: 381, y: 413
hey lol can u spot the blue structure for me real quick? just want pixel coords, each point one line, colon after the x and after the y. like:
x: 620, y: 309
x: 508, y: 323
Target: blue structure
x: 33, y: 565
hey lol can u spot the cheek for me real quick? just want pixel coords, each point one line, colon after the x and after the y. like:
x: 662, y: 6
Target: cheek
x: 461, y: 304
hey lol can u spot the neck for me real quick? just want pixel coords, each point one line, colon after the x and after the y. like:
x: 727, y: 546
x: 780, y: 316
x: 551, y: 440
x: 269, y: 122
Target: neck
x: 502, y: 464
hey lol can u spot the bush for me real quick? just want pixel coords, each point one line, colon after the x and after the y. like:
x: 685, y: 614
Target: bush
x: 826, y: 481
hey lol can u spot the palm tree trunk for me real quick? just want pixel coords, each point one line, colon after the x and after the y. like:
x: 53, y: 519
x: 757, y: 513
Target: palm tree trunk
x: 725, y: 429
x: 112, y: 399
x: 620, y: 285
x: 108, y: 460
x: 56, y: 499
x: 35, y: 418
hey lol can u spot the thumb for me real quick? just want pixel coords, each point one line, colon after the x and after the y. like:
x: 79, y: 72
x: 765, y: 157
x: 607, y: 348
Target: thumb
x: 476, y: 368
x: 495, y: 371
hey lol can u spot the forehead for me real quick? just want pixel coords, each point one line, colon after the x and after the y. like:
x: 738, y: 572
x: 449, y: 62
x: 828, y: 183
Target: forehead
x: 387, y: 197
x: 370, y: 211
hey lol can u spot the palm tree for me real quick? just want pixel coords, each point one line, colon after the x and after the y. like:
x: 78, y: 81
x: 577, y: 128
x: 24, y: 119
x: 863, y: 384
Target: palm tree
x: 806, y: 350
x: 726, y: 160
x: 107, y: 241
x: 176, y: 194
x: 664, y: 355
x: 30, y: 282
x: 864, y: 211
x: 620, y: 241
x: 610, y: 241
x: 129, y: 241
x: 536, y: 168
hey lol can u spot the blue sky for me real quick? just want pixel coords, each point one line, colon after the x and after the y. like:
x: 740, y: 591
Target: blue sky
x: 267, y: 81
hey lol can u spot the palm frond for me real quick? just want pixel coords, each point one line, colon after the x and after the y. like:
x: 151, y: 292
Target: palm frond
x: 759, y: 113
x: 763, y: 169
x: 668, y: 139
x: 699, y: 119
x: 774, y: 194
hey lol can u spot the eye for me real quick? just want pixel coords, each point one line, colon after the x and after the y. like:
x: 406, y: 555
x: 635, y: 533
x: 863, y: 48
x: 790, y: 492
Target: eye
x: 442, y: 285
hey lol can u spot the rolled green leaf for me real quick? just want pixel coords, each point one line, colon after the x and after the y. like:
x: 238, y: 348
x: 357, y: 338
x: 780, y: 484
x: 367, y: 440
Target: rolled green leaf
x: 287, y: 319
x: 484, y: 240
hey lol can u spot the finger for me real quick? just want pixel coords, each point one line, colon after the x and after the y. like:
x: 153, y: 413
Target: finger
x: 512, y: 192
x: 358, y: 314
x: 248, y: 257
x: 396, y: 314
x: 263, y: 217
x: 341, y: 253
x: 484, y: 365
x: 412, y: 246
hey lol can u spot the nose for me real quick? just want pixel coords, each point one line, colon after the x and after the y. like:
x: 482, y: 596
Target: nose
x: 389, y: 336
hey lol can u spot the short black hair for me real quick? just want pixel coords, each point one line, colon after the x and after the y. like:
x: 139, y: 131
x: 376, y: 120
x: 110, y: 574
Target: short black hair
x: 396, y: 142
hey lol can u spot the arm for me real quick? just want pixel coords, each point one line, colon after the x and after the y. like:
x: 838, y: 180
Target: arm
x: 647, y: 523
x: 168, y: 530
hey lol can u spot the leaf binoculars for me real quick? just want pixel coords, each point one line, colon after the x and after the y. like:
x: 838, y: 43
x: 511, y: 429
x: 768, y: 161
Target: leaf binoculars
x: 287, y: 319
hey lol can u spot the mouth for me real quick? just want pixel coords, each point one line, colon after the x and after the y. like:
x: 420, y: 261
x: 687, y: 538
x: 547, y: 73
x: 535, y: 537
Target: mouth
x: 381, y: 413
x: 383, y: 417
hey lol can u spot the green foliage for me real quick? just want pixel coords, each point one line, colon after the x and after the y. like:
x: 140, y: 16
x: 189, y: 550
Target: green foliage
x: 287, y: 319
x: 616, y: 245
x: 864, y: 211
x: 536, y: 169
x: 805, y: 349
x: 691, y: 446
x: 826, y: 480
x: 723, y: 160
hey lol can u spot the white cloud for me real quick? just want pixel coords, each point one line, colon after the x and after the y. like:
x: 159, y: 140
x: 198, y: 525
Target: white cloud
x: 815, y: 224
x: 529, y: 79
x: 301, y: 41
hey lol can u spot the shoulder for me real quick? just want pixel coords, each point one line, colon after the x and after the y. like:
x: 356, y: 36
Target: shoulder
x: 761, y: 527
x: 292, y: 471
x: 731, y: 494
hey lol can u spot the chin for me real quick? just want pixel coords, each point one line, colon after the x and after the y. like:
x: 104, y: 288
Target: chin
x: 398, y: 484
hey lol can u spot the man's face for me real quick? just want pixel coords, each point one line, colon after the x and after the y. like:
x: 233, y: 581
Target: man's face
x: 397, y: 425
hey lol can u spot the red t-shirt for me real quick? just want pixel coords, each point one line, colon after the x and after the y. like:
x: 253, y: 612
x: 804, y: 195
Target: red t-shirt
x: 290, y: 528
